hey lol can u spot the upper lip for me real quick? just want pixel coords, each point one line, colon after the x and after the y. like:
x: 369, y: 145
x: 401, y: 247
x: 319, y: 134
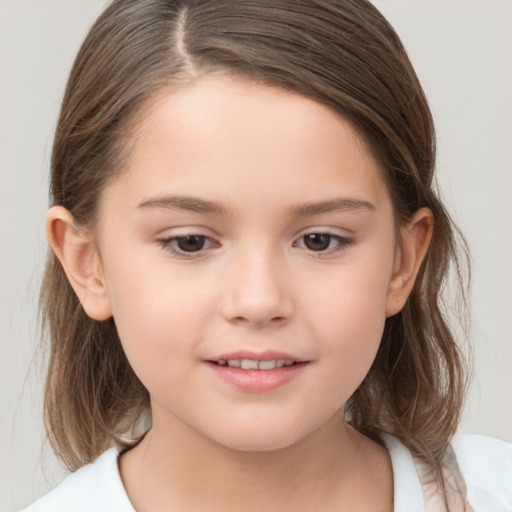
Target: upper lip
x: 267, y: 355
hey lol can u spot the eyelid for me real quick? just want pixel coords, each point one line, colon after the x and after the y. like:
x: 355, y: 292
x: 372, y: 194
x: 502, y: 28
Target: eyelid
x: 185, y: 230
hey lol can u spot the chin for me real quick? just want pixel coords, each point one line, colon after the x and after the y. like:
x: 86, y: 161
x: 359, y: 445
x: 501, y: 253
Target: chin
x: 259, y: 445
x: 259, y: 437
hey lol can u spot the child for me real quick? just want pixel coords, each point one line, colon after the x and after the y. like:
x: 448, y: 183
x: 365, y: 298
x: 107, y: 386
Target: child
x: 243, y: 299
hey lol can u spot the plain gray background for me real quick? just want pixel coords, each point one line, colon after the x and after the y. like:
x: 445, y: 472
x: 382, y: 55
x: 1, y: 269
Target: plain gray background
x: 462, y: 50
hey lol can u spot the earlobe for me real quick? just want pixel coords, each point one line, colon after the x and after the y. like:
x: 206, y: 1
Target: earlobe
x: 78, y: 255
x: 416, y: 236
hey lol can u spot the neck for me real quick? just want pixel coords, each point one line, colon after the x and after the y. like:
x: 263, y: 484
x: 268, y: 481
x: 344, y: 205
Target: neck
x: 184, y: 470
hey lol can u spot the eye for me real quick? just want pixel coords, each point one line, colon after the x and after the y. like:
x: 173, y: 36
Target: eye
x: 187, y: 245
x: 323, y: 242
x: 191, y: 243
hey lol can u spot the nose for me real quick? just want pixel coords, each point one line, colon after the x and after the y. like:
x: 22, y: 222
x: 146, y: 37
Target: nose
x: 257, y: 291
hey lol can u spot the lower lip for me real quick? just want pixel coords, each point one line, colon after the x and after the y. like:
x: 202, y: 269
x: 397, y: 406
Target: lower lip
x: 257, y: 381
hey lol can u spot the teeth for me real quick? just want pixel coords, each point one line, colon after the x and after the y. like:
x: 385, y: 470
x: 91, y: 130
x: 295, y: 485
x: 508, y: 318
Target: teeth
x: 251, y: 364
x: 266, y: 365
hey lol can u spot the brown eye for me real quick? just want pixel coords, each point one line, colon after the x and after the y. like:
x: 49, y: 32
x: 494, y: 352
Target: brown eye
x: 188, y: 246
x: 190, y: 243
x: 323, y: 243
x: 318, y: 241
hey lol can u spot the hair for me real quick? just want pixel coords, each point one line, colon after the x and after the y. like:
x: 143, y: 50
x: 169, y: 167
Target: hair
x: 341, y: 53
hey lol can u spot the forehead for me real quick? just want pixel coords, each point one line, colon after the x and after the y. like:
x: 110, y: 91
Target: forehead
x: 236, y: 137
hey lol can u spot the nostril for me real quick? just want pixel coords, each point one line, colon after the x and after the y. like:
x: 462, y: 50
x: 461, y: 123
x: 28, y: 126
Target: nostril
x: 257, y: 309
x: 274, y: 320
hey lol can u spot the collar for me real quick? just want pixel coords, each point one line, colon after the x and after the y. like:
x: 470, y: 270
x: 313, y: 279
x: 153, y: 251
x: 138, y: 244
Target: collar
x: 408, y: 493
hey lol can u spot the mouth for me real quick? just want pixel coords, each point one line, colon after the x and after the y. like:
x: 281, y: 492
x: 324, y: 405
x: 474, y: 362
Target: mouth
x: 257, y: 373
x: 265, y: 361
x: 255, y: 364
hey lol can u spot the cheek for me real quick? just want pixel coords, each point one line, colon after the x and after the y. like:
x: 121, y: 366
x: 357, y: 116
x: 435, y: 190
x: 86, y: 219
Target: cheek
x: 352, y: 300
x: 157, y: 316
x: 349, y: 316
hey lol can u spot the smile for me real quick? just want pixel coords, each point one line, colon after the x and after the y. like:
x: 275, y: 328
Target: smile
x: 252, y: 364
x: 252, y: 372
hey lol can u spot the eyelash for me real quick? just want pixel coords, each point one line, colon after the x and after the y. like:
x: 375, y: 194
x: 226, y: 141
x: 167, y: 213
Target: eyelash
x: 170, y: 244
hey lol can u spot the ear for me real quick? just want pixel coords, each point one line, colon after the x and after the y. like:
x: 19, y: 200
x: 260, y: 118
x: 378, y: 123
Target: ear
x: 79, y: 257
x: 416, y: 236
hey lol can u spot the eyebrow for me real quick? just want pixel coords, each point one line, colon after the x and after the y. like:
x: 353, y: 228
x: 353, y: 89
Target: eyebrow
x: 198, y: 205
x: 333, y: 205
x: 188, y: 203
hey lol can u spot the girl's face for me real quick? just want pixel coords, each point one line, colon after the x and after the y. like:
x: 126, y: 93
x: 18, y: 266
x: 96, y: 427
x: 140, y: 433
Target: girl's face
x: 251, y: 228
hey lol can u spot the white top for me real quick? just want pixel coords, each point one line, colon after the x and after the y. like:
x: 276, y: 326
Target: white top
x: 485, y: 463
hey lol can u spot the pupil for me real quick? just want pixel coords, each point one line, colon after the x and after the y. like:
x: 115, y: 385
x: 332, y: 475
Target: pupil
x: 317, y: 241
x: 191, y: 243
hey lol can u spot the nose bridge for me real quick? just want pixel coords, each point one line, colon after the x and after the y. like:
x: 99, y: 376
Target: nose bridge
x: 257, y: 287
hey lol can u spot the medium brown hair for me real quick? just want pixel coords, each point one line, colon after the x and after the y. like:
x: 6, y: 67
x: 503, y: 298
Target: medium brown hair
x: 342, y: 53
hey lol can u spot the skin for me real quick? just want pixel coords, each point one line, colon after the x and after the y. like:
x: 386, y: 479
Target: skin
x: 260, y: 154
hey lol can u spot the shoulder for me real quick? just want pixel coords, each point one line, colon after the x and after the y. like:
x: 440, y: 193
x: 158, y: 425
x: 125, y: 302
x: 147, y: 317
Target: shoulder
x: 484, y: 462
x: 486, y: 465
x: 94, y: 487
